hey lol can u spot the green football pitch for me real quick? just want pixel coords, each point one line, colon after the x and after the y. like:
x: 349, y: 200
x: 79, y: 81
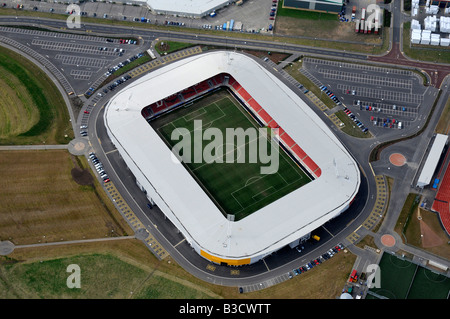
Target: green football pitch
x: 237, y: 188
x: 402, y: 279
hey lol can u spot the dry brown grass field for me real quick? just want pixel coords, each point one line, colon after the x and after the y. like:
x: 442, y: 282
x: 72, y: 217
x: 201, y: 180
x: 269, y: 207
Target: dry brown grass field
x: 323, y: 29
x: 41, y: 202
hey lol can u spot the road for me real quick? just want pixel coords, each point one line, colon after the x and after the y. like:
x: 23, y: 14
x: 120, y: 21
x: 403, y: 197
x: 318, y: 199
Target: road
x: 285, y: 261
x: 150, y: 34
x: 436, y: 72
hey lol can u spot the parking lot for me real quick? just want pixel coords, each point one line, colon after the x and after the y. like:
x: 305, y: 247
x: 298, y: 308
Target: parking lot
x: 379, y: 97
x: 83, y: 59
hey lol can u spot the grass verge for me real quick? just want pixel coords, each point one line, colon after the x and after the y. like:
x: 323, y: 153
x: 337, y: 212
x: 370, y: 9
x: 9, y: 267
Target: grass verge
x: 53, y: 124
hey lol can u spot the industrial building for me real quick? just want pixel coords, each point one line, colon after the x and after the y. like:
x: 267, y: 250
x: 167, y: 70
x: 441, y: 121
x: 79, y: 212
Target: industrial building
x: 328, y: 6
x: 172, y: 188
x: 432, y: 160
x: 183, y: 8
x: 178, y: 8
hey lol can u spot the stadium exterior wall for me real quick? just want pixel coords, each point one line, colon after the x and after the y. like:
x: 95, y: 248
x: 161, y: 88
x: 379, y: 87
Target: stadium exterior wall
x: 255, y: 236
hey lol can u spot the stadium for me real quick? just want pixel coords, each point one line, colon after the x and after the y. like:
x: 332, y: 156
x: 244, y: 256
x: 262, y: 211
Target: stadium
x: 278, y: 211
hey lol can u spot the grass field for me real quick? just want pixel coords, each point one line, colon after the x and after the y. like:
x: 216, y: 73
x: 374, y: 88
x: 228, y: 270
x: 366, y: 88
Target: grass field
x: 401, y: 279
x: 41, y: 202
x: 443, y: 126
x: 36, y: 273
x: 237, y: 188
x: 32, y: 111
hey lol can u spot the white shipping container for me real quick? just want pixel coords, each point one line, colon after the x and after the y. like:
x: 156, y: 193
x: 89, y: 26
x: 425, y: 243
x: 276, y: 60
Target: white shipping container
x: 415, y: 24
x: 445, y: 42
x: 434, y: 42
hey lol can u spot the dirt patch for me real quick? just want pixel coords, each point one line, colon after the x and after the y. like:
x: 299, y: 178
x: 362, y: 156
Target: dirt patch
x: 82, y: 176
x: 323, y: 29
x: 429, y: 237
x: 276, y: 57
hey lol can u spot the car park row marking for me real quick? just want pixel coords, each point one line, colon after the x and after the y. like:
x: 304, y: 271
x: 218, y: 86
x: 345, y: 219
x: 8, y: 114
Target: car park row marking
x: 133, y: 221
x: 357, y: 66
x: 367, y: 79
x: 49, y: 34
x: 388, y: 108
x: 81, y: 74
x: 385, y: 95
x: 311, y: 77
x: 71, y: 47
x: 81, y: 61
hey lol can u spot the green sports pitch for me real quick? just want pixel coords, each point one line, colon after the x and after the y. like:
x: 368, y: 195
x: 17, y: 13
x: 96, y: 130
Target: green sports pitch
x: 237, y: 188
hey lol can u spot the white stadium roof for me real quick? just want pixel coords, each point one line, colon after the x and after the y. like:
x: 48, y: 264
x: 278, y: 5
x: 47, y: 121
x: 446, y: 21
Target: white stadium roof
x: 184, y: 202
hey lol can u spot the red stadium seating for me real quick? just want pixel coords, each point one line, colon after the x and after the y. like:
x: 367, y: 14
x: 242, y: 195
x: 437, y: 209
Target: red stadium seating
x: 218, y: 79
x: 441, y: 204
x: 231, y: 80
x: 157, y: 107
x: 264, y: 116
x: 202, y: 86
x: 298, y: 151
x: 188, y: 93
x: 272, y: 124
x: 172, y: 100
x: 310, y: 164
x: 287, y: 140
x: 244, y: 94
x: 318, y: 172
x: 254, y: 105
x: 146, y: 113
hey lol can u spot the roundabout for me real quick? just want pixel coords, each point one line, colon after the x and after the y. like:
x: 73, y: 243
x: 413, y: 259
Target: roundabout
x: 397, y: 159
x: 388, y: 240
